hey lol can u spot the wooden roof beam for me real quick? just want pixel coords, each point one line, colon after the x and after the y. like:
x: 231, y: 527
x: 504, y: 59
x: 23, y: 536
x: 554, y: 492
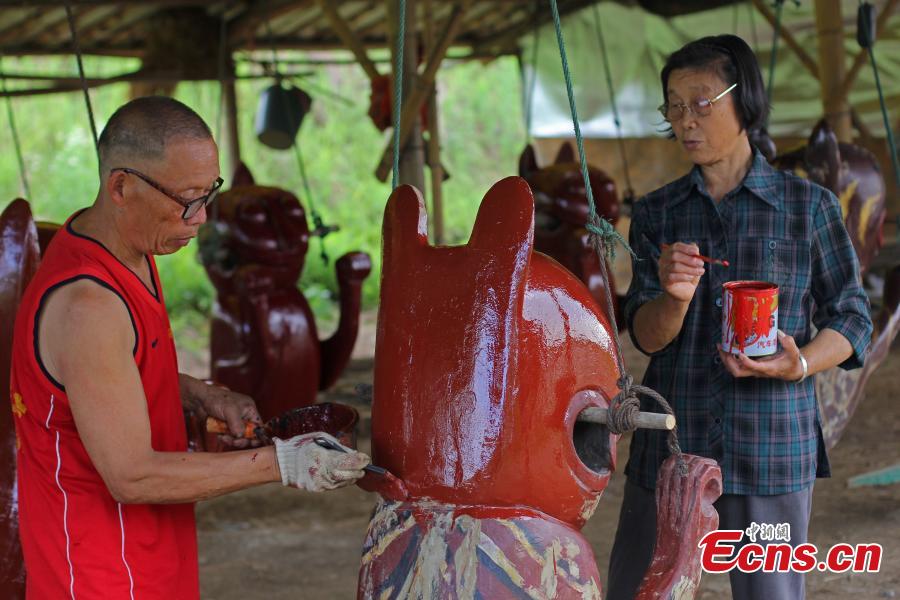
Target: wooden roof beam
x: 84, y: 18
x: 506, y: 42
x: 75, y: 3
x: 129, y: 51
x: 347, y: 36
x: 112, y: 28
x: 244, y: 27
x: 27, y: 29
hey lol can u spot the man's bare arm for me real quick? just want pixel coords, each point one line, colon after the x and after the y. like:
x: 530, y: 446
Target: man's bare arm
x: 86, y: 341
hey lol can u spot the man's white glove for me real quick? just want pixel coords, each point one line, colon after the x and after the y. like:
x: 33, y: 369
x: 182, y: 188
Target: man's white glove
x: 306, y: 465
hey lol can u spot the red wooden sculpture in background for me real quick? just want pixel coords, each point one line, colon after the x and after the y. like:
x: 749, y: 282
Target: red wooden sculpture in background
x: 486, y: 354
x: 264, y: 341
x: 561, y: 214
x: 19, y: 258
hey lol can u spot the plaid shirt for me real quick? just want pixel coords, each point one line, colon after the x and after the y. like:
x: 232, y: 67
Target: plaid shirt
x: 764, y: 433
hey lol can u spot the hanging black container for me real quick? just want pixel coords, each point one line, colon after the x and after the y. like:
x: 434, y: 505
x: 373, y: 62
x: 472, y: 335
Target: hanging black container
x: 279, y: 115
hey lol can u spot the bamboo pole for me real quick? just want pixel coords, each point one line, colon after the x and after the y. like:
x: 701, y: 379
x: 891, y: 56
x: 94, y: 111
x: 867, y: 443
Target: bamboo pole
x: 233, y: 145
x: 830, y: 34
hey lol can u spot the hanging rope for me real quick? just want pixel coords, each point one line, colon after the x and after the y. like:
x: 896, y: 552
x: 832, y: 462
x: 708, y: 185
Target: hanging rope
x: 15, y: 134
x: 320, y: 229
x: 624, y: 407
x: 597, y: 226
x: 398, y: 89
x: 887, y: 123
x: 84, y: 86
x: 628, y: 197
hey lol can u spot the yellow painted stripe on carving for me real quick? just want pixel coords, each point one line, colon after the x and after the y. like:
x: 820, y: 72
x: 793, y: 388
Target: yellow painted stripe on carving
x: 864, y: 214
x: 846, y: 195
x: 376, y: 550
x: 524, y: 544
x: 497, y: 556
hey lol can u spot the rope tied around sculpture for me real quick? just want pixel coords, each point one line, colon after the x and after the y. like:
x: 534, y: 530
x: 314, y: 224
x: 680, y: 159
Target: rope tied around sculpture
x: 603, y: 236
x: 626, y: 405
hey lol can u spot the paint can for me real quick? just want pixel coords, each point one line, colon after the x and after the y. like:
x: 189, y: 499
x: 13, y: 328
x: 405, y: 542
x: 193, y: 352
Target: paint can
x: 750, y: 318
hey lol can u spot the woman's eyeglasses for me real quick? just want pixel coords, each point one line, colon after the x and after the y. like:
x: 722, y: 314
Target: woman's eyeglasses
x: 191, y: 207
x: 700, y: 107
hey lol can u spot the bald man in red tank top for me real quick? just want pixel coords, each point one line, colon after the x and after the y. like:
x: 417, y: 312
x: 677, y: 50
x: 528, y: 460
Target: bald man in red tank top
x: 106, y: 486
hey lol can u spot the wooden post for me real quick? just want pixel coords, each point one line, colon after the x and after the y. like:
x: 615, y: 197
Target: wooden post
x: 830, y: 33
x: 412, y: 150
x: 232, y: 143
x: 435, y: 166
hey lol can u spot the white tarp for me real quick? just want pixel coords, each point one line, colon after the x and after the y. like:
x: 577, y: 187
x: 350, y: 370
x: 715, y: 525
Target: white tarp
x: 638, y: 43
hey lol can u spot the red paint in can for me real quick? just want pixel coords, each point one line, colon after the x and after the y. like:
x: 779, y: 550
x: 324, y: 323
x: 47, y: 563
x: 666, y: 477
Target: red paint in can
x: 750, y: 318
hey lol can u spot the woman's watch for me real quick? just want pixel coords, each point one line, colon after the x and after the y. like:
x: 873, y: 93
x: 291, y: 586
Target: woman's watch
x: 805, y: 366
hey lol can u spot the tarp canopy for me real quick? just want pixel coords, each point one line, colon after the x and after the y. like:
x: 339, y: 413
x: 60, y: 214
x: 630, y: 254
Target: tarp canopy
x: 638, y: 43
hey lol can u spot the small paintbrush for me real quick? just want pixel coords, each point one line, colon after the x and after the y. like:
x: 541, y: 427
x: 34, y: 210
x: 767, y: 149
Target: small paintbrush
x: 706, y: 259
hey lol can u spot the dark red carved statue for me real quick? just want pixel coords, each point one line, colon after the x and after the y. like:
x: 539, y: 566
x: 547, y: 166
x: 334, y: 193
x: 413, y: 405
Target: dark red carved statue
x: 486, y: 354
x: 264, y: 341
x: 19, y: 258
x: 561, y: 213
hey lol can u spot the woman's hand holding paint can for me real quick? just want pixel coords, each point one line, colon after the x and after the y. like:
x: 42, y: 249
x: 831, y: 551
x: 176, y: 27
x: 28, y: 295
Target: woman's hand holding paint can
x: 680, y: 270
x: 784, y: 364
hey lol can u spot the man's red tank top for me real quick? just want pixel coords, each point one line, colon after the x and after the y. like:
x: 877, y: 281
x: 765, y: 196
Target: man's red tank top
x: 78, y: 542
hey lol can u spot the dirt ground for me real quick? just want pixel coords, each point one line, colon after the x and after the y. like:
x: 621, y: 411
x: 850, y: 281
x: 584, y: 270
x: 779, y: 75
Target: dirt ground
x: 275, y: 543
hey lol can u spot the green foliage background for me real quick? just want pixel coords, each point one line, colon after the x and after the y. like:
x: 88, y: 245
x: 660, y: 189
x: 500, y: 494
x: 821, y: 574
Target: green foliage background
x: 482, y: 128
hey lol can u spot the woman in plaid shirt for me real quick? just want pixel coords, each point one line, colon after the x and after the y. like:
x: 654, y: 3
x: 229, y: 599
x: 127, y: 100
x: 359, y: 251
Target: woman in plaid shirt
x: 757, y: 417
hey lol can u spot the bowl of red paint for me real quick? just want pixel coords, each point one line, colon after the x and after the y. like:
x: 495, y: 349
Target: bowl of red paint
x: 750, y: 318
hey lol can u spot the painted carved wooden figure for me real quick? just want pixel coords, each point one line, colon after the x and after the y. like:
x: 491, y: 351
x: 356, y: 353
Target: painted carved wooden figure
x: 264, y: 341
x: 486, y: 355
x: 561, y: 214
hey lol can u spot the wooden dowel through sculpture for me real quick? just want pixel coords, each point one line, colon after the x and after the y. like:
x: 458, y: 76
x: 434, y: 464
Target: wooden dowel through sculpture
x: 643, y: 420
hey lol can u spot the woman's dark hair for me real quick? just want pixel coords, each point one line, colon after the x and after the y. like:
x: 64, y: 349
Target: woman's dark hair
x: 729, y: 57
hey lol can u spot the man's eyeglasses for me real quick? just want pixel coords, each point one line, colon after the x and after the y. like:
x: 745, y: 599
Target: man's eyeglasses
x: 191, y: 207
x: 700, y: 107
